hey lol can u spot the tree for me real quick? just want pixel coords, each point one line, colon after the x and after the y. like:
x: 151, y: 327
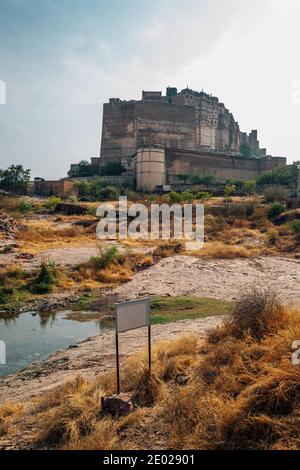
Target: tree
x: 229, y: 191
x: 283, y: 176
x: 86, y: 169
x: 207, y: 181
x: 249, y: 186
x: 15, y: 179
x: 112, y: 169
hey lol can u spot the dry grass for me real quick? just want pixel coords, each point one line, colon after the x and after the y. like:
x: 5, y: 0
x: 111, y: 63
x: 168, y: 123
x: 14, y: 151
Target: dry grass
x: 168, y: 248
x: 220, y: 250
x: 238, y: 389
x: 35, y: 236
x: 9, y: 412
x: 119, y: 269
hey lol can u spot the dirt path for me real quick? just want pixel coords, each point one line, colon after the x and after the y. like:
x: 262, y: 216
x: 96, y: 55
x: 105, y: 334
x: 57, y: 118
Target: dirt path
x: 70, y: 256
x: 221, y: 279
x: 91, y: 357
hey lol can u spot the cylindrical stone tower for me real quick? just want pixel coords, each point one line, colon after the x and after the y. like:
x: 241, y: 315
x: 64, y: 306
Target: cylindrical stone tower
x: 150, y: 168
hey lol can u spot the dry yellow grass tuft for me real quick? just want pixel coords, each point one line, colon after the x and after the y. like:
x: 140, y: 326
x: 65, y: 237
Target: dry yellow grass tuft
x: 168, y: 248
x: 8, y: 413
x: 220, y: 250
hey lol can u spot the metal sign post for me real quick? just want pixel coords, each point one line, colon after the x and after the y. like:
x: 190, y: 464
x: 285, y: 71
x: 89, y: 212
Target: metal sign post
x: 131, y: 316
x: 118, y: 364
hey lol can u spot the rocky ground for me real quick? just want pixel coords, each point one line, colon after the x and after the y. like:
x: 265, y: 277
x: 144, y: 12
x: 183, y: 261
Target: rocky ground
x: 220, y: 279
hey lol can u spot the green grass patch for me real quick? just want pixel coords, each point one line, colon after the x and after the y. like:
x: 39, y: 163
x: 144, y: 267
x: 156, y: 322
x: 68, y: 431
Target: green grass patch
x: 85, y: 301
x: 172, y: 309
x: 163, y: 309
x: 18, y: 286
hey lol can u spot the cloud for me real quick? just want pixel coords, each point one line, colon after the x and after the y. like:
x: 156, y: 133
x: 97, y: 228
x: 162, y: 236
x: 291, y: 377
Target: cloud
x: 241, y: 50
x: 184, y: 31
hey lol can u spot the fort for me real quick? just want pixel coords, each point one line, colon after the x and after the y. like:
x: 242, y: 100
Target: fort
x: 161, y: 139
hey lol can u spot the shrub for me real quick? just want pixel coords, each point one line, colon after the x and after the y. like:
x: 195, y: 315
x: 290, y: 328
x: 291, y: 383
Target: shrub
x: 6, y: 294
x: 229, y: 191
x: 7, y: 249
x: 296, y: 226
x: 83, y: 188
x: 132, y: 196
x: 92, y: 211
x: 276, y: 194
x: 187, y: 196
x: 249, y: 186
x: 275, y: 210
x: 216, y: 224
x: 99, y: 190
x: 24, y: 207
x: 209, y: 180
x: 106, y: 257
x: 258, y: 312
x: 52, y: 203
x: 203, y: 195
x: 45, y: 280
x: 174, y: 197
x: 238, y: 211
x: 108, y: 193
x: 272, y: 237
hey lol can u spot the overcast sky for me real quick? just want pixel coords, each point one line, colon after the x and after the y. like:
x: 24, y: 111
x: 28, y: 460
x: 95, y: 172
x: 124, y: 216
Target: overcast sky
x: 61, y: 59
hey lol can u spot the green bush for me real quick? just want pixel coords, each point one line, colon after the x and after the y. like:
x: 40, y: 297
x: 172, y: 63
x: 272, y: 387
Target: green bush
x: 24, y: 207
x: 229, y: 190
x: 296, y: 226
x: 52, y: 203
x: 45, y: 280
x: 275, y: 209
x: 174, y: 197
x: 187, y: 196
x: 6, y: 293
x: 92, y: 211
x: 283, y: 176
x: 249, y: 186
x: 203, y: 195
x: 108, y: 193
x: 7, y: 249
x: 209, y: 180
x: 112, y: 169
x: 106, y: 257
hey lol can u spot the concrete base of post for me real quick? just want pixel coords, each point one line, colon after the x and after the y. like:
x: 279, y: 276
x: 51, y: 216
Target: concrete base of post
x: 117, y: 405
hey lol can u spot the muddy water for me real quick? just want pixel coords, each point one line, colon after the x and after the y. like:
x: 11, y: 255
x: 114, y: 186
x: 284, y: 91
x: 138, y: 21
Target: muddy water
x: 32, y: 337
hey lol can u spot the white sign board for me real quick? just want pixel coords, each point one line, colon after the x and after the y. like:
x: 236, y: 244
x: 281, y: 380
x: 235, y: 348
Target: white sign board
x: 132, y: 315
x: 2, y: 353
